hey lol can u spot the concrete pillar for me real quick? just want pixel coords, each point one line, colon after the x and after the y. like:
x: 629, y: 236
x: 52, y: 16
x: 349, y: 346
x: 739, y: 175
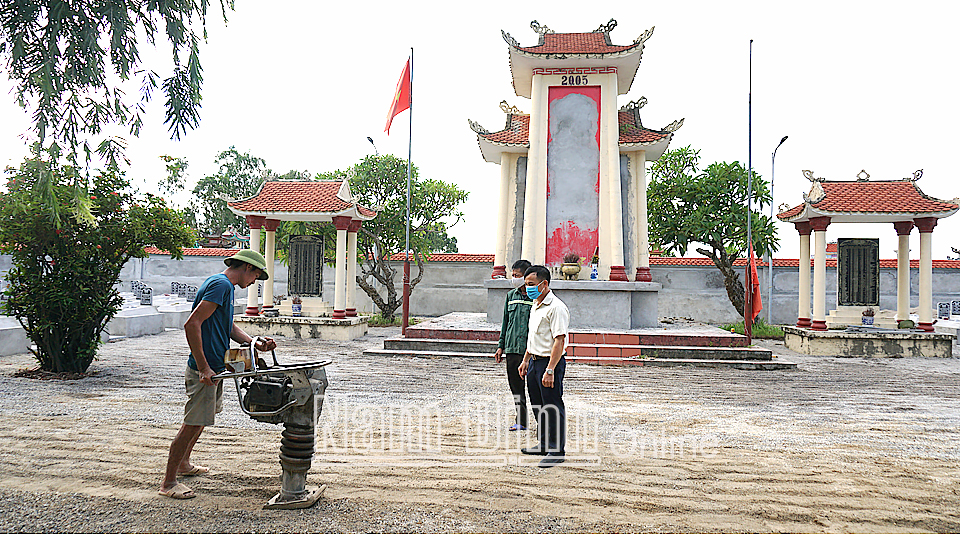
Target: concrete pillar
x: 819, y: 225
x: 903, y: 269
x: 611, y: 198
x: 925, y: 309
x: 269, y: 253
x: 507, y: 161
x: 534, y: 248
x: 255, y: 223
x: 351, y: 308
x: 342, y: 224
x: 803, y: 307
x: 639, y: 174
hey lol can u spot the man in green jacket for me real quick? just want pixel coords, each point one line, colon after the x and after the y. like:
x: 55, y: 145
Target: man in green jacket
x: 513, y: 343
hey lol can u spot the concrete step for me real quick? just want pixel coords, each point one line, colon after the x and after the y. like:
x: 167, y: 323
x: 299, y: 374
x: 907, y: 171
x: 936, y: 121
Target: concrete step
x: 587, y: 350
x: 675, y: 339
x: 607, y: 361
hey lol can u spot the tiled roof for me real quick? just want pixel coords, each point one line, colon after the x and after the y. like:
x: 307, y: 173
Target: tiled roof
x: 297, y: 196
x: 631, y: 132
x: 517, y: 131
x: 577, y: 43
x: 452, y: 257
x: 873, y: 197
x: 201, y: 252
x: 654, y: 261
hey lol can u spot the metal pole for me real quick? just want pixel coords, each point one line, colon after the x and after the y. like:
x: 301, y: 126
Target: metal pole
x: 748, y: 296
x: 769, y: 306
x: 406, y: 248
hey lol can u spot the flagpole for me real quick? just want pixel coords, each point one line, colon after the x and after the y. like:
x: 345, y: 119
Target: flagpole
x: 748, y: 294
x: 406, y: 249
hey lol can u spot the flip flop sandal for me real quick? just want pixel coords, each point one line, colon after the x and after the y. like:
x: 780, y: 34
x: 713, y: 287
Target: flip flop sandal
x: 178, y: 491
x: 197, y: 470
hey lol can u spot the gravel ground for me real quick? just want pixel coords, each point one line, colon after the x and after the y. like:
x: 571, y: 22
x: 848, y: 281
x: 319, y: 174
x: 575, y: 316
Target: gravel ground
x: 837, y: 445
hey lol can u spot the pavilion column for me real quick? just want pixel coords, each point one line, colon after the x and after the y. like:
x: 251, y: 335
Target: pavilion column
x: 925, y: 309
x: 903, y: 269
x: 819, y: 226
x: 351, y: 285
x: 342, y: 224
x: 611, y: 196
x: 255, y: 223
x: 638, y: 164
x: 269, y: 253
x: 507, y: 161
x: 803, y: 307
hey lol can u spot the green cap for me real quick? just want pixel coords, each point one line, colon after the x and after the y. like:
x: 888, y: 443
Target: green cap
x: 252, y: 257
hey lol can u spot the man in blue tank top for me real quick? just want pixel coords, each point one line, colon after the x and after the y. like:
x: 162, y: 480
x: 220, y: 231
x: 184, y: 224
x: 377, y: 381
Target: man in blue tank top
x: 209, y: 330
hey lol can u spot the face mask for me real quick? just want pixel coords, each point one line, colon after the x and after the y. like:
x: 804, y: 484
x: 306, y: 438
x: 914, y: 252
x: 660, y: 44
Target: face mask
x: 516, y: 282
x: 533, y: 291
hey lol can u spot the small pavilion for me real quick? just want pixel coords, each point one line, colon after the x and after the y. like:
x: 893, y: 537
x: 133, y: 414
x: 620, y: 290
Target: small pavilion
x: 300, y: 200
x: 900, y: 202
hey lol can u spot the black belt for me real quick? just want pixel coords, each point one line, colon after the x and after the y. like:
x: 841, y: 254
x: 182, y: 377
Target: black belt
x: 547, y: 358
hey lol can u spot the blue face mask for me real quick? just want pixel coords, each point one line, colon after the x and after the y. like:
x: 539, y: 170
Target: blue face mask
x: 533, y: 291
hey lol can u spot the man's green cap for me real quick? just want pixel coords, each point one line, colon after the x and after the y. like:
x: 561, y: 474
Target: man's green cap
x: 252, y: 257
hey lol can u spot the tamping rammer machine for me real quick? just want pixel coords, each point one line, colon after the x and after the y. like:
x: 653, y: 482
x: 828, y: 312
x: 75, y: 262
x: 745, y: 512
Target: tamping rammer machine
x: 289, y: 394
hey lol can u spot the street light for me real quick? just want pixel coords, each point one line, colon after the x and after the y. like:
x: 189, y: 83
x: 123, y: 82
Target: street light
x: 773, y: 161
x: 374, y: 146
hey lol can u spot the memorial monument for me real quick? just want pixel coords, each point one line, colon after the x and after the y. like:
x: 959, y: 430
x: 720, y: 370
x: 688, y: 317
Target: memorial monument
x: 573, y: 173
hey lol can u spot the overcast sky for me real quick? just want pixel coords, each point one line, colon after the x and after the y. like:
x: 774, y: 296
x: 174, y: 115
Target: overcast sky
x: 855, y: 85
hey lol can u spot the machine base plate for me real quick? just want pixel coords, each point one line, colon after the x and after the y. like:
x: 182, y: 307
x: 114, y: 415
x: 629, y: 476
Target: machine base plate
x: 310, y: 499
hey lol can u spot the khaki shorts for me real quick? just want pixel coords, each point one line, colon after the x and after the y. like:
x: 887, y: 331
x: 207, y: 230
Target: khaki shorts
x: 203, y: 402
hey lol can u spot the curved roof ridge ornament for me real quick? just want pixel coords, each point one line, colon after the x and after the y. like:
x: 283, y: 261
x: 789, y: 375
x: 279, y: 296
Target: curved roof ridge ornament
x: 510, y: 40
x: 509, y: 109
x: 917, y: 174
x: 541, y: 28
x: 477, y: 128
x: 673, y: 126
x: 606, y: 28
x: 863, y: 176
x: 635, y: 104
x: 808, y: 174
x: 644, y: 36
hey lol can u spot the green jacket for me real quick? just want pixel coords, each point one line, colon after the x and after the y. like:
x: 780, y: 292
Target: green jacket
x: 513, y: 329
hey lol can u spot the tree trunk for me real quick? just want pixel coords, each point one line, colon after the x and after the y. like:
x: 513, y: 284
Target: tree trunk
x: 731, y: 278
x: 379, y: 270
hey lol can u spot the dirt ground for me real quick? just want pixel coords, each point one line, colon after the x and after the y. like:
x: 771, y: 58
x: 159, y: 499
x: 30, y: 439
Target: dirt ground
x: 844, y: 445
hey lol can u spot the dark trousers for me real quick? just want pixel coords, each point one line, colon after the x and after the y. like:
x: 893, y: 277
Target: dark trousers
x: 519, y: 390
x: 552, y: 417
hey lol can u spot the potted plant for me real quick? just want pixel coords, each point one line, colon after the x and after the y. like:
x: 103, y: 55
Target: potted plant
x: 867, y: 318
x: 571, y: 266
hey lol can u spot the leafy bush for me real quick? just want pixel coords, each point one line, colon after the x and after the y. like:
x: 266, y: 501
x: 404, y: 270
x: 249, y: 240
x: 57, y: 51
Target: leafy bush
x: 69, y: 236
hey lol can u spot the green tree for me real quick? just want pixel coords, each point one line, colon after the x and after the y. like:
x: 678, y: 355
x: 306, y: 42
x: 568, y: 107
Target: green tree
x: 379, y: 182
x: 239, y: 175
x: 688, y: 205
x: 71, y: 61
x: 66, y: 264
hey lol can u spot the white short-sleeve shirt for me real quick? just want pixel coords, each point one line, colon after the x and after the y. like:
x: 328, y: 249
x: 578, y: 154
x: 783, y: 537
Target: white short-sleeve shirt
x: 548, y: 319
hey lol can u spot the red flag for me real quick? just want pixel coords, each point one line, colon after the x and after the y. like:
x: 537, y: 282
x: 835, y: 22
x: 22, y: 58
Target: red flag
x: 401, y: 98
x: 756, y: 302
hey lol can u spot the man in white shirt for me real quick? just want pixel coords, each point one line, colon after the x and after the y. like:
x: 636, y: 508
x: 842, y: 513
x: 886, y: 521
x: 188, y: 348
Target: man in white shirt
x: 546, y: 363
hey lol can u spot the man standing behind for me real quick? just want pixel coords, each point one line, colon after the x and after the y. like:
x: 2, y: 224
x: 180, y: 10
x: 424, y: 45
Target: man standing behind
x: 209, y: 330
x: 546, y: 362
x: 513, y: 343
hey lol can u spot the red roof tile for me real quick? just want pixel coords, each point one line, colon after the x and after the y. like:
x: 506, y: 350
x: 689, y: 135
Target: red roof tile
x: 631, y: 132
x: 873, y: 197
x: 452, y: 257
x: 297, y: 196
x: 517, y: 131
x: 654, y: 261
x: 577, y: 43
x: 201, y: 252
